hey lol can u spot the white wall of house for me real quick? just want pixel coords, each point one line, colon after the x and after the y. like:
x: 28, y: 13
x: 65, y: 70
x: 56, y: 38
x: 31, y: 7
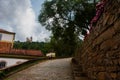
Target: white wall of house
x: 52, y: 55
x: 6, y: 37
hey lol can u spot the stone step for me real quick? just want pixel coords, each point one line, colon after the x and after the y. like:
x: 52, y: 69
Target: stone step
x: 81, y: 78
x: 78, y: 73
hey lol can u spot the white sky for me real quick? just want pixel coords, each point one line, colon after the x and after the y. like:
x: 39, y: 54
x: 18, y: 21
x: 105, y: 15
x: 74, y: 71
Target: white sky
x: 20, y: 16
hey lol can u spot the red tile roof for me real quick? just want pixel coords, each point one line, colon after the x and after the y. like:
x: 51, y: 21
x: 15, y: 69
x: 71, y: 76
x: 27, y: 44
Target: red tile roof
x: 21, y: 52
x: 5, y: 48
x: 4, y: 31
x: 26, y: 52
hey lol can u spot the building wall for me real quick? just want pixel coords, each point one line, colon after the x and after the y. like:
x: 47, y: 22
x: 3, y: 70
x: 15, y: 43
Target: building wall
x: 100, y: 52
x: 5, y: 47
x: 6, y: 41
x: 6, y: 37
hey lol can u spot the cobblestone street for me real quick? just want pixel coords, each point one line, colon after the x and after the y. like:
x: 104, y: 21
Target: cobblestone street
x: 58, y: 69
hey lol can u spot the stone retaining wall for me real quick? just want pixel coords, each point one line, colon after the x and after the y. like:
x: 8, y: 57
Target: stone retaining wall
x: 100, y: 53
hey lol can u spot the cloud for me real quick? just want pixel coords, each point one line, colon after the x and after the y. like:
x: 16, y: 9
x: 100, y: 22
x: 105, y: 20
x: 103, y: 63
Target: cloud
x: 19, y: 17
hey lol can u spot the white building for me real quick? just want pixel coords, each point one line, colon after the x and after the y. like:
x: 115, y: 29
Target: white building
x: 6, y: 37
x: 51, y: 55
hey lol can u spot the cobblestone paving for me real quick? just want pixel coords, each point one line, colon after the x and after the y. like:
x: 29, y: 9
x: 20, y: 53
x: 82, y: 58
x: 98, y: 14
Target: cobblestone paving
x: 59, y: 69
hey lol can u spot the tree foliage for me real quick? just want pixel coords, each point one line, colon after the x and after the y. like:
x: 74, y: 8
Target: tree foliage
x: 66, y: 19
x: 45, y: 47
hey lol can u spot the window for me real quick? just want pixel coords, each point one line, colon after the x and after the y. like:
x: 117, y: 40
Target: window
x: 0, y: 36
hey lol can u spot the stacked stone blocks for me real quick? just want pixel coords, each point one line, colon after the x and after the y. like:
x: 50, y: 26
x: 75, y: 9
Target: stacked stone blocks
x: 100, y: 52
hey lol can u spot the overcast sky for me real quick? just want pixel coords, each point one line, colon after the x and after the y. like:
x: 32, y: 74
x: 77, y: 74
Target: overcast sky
x: 20, y: 16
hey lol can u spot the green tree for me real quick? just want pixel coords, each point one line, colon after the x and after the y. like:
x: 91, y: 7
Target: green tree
x: 66, y: 19
x: 45, y: 47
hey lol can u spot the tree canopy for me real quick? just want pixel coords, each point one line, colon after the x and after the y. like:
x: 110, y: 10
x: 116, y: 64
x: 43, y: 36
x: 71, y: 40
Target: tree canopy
x: 45, y: 47
x: 66, y: 19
